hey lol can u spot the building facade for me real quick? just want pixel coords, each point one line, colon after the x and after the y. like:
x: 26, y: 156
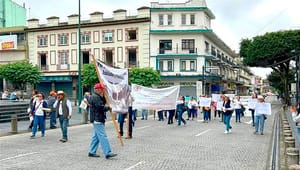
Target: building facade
x: 12, y: 14
x: 187, y: 52
x: 121, y: 41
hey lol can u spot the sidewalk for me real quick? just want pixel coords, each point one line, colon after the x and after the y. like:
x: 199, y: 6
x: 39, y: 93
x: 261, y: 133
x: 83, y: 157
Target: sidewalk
x: 5, y: 128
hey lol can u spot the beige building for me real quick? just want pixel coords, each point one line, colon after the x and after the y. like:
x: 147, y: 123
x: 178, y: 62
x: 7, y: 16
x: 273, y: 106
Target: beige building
x: 120, y: 41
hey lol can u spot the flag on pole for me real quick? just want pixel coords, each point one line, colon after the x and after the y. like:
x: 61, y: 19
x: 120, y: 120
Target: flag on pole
x: 154, y: 99
x: 116, y: 82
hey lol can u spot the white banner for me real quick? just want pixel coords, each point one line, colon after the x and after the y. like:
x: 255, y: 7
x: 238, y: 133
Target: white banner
x: 220, y: 105
x: 154, y: 99
x: 204, y: 102
x: 251, y: 103
x: 263, y: 108
x: 216, y: 97
x: 116, y: 81
x: 8, y: 42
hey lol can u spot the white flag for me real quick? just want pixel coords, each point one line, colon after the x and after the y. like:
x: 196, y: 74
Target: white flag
x: 116, y: 81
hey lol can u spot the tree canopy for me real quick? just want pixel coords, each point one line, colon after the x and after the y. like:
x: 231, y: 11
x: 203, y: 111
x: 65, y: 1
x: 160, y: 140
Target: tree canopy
x: 20, y: 73
x: 141, y: 76
x: 272, y: 50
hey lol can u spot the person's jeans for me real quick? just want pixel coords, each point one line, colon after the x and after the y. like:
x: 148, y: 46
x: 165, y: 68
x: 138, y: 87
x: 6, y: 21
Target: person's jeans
x: 180, y: 118
x: 160, y: 115
x: 38, y: 120
x: 238, y: 115
x: 121, y: 119
x: 206, y: 115
x: 227, y: 121
x: 171, y: 115
x: 252, y: 115
x: 259, y: 122
x: 52, y: 119
x: 64, y: 123
x: 99, y: 136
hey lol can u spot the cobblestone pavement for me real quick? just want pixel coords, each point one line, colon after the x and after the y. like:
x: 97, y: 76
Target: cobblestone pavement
x: 154, y: 146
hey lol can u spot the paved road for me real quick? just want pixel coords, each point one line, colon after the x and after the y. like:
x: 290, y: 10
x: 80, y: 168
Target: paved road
x: 155, y: 146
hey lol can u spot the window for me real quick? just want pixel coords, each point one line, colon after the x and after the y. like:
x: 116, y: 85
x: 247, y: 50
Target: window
x: 161, y: 19
x: 161, y: 65
x: 193, y: 65
x: 188, y: 44
x: 169, y: 19
x: 192, y: 19
x: 63, y: 40
x: 183, y: 19
x: 85, y: 38
x: 170, y: 65
x: 43, y: 41
x: 206, y: 46
x: 63, y: 58
x: 165, y: 45
x: 132, y: 35
x: 183, y: 65
x: 108, y: 37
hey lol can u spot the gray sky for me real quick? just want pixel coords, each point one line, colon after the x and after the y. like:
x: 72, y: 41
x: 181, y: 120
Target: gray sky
x: 235, y: 19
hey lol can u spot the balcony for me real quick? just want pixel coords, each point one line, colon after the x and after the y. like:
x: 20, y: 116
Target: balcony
x: 44, y: 67
x: 63, y: 67
x: 177, y: 51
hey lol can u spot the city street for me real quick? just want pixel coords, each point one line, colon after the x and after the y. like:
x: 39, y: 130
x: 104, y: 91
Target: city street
x: 154, y: 146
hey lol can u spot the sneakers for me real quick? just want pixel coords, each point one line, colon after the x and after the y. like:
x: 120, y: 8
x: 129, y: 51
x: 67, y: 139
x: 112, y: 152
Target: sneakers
x: 229, y: 131
x: 42, y: 135
x: 255, y: 132
x: 93, y: 155
x: 226, y: 132
x: 32, y: 136
x: 128, y: 137
x: 110, y: 155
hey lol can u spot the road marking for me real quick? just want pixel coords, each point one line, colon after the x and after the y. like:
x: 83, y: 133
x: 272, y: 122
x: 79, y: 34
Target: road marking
x: 143, y: 127
x: 133, y: 166
x: 203, y: 132
x: 17, y: 156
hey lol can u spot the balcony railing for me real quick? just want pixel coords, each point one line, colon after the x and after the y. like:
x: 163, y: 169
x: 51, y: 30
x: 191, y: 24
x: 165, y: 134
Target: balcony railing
x: 44, y: 67
x: 63, y: 67
x: 177, y: 51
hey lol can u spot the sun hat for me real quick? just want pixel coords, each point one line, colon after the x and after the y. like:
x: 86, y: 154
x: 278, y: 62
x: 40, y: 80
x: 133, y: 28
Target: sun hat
x: 60, y: 92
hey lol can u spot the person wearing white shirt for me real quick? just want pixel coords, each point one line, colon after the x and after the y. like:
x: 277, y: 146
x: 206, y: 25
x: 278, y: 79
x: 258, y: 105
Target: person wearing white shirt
x: 39, y: 115
x: 238, y: 109
x: 64, y: 113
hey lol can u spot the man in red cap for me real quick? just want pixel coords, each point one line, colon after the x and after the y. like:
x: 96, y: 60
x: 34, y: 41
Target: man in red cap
x: 98, y: 109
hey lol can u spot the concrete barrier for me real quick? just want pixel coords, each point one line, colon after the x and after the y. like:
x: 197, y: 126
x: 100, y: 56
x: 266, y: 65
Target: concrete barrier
x: 289, y: 142
x: 292, y: 156
x: 14, y: 124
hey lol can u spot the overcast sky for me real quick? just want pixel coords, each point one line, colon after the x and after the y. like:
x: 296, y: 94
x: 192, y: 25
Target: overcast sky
x: 235, y: 19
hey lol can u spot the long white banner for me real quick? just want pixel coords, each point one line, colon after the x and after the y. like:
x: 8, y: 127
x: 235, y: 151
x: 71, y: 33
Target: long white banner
x: 154, y: 99
x: 116, y: 81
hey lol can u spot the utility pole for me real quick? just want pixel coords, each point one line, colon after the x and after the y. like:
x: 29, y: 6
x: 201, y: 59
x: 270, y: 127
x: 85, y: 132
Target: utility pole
x: 79, y: 60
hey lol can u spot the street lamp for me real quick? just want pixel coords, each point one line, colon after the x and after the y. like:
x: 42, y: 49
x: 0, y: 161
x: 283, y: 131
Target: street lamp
x: 79, y: 59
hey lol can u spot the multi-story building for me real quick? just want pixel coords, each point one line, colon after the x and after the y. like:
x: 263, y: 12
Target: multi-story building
x: 187, y: 52
x: 12, y: 14
x: 120, y: 41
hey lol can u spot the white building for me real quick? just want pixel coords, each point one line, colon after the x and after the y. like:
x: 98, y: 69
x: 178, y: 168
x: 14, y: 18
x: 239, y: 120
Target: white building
x: 186, y: 51
x: 121, y: 41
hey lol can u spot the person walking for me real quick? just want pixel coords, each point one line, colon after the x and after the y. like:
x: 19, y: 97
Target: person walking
x: 180, y: 108
x: 193, y: 105
x: 227, y: 111
x: 251, y: 108
x: 39, y: 115
x: 63, y: 108
x: 98, y: 110
x: 31, y: 102
x: 51, y: 100
x: 87, y: 100
x: 238, y: 109
x: 259, y: 120
x: 144, y: 114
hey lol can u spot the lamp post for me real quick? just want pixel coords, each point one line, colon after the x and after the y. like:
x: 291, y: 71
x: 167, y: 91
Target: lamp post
x: 79, y: 59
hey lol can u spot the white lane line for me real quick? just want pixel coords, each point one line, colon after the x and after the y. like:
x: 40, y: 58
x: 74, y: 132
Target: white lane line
x: 17, y: 156
x: 143, y: 127
x: 203, y: 132
x: 133, y: 166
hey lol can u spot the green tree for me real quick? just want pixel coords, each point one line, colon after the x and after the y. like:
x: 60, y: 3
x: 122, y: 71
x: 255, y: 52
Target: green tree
x: 272, y: 50
x: 277, y: 83
x: 141, y: 76
x: 20, y: 73
x: 144, y: 76
x: 89, y: 75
